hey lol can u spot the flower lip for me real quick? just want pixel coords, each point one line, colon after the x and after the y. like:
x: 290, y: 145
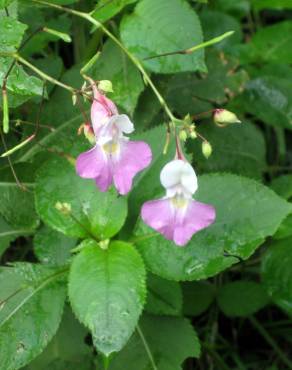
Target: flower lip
x: 179, y: 176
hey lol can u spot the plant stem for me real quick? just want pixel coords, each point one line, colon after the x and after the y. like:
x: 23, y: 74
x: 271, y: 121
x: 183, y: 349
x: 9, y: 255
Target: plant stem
x: 43, y: 74
x: 271, y: 341
x: 135, y: 61
x: 149, y: 353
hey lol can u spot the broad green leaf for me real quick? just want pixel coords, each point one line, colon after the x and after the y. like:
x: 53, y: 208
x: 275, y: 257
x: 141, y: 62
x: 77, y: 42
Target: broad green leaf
x: 11, y: 32
x: 271, y: 4
x: 157, y: 27
x: 277, y: 273
x: 242, y: 298
x: 269, y: 99
x: 67, y: 350
x: 107, y: 9
x: 239, y: 148
x: 171, y: 340
x: 101, y: 214
x: 197, y: 297
x: 272, y: 44
x: 115, y: 66
x: 164, y: 297
x: 32, y: 299
x: 107, y: 292
x: 20, y: 85
x: 52, y: 247
x: 246, y: 213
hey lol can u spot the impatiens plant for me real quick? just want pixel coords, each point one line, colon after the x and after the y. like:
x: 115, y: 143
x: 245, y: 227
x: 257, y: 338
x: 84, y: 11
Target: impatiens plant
x: 159, y: 238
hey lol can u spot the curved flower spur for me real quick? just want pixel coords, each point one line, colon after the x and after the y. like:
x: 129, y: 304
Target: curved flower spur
x: 114, y: 158
x: 177, y: 216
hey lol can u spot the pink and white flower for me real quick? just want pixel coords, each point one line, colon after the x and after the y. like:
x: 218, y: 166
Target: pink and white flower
x: 114, y: 158
x: 177, y: 216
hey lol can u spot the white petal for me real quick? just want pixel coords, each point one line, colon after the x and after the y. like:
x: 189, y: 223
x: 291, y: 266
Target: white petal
x: 122, y: 121
x: 179, y: 173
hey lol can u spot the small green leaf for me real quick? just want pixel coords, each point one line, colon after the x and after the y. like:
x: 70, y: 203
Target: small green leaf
x: 277, y: 273
x: 197, y: 297
x: 164, y: 297
x: 282, y: 185
x: 155, y: 27
x: 242, y: 298
x: 32, y: 300
x: 107, y: 292
x: 101, y: 214
x: 246, y: 213
x: 52, y: 247
x: 171, y: 340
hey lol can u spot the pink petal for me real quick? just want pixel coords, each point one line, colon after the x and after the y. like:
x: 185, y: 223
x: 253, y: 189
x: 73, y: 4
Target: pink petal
x: 89, y: 164
x: 105, y: 178
x: 174, y: 224
x: 135, y: 156
x: 158, y: 215
x: 198, y: 216
x: 101, y: 109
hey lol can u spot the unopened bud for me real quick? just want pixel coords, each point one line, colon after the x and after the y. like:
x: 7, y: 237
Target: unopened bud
x: 64, y: 36
x: 206, y: 149
x: 188, y: 119
x: 223, y: 117
x: 74, y: 98
x: 64, y: 208
x: 193, y: 135
x: 105, y: 86
x: 88, y: 132
x: 104, y: 244
x: 183, y: 135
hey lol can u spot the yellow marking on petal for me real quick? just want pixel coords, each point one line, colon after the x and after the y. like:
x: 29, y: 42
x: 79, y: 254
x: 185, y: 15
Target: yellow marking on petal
x: 179, y: 202
x: 111, y: 147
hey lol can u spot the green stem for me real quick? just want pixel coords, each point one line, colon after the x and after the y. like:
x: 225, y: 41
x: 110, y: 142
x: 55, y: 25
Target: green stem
x: 147, y: 349
x: 271, y: 341
x: 43, y: 74
x: 135, y: 61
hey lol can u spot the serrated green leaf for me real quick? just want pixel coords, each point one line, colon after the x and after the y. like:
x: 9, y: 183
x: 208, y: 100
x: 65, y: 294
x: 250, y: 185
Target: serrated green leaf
x: 107, y: 292
x: 115, y: 66
x: 51, y: 247
x: 239, y: 148
x: 101, y: 214
x: 246, y: 213
x: 241, y: 298
x: 105, y: 10
x: 67, y: 350
x: 32, y: 300
x: 11, y: 32
x: 197, y: 297
x: 170, y: 339
x: 164, y: 297
x: 157, y: 27
x: 277, y: 273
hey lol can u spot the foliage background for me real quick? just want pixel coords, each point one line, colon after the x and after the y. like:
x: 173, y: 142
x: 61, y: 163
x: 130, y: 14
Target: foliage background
x: 222, y: 302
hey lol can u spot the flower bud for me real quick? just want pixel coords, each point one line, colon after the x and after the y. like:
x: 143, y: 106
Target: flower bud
x: 105, y: 86
x: 193, y: 135
x: 88, y: 132
x: 223, y: 117
x: 183, y: 135
x: 74, y: 99
x: 64, y: 208
x: 206, y: 149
